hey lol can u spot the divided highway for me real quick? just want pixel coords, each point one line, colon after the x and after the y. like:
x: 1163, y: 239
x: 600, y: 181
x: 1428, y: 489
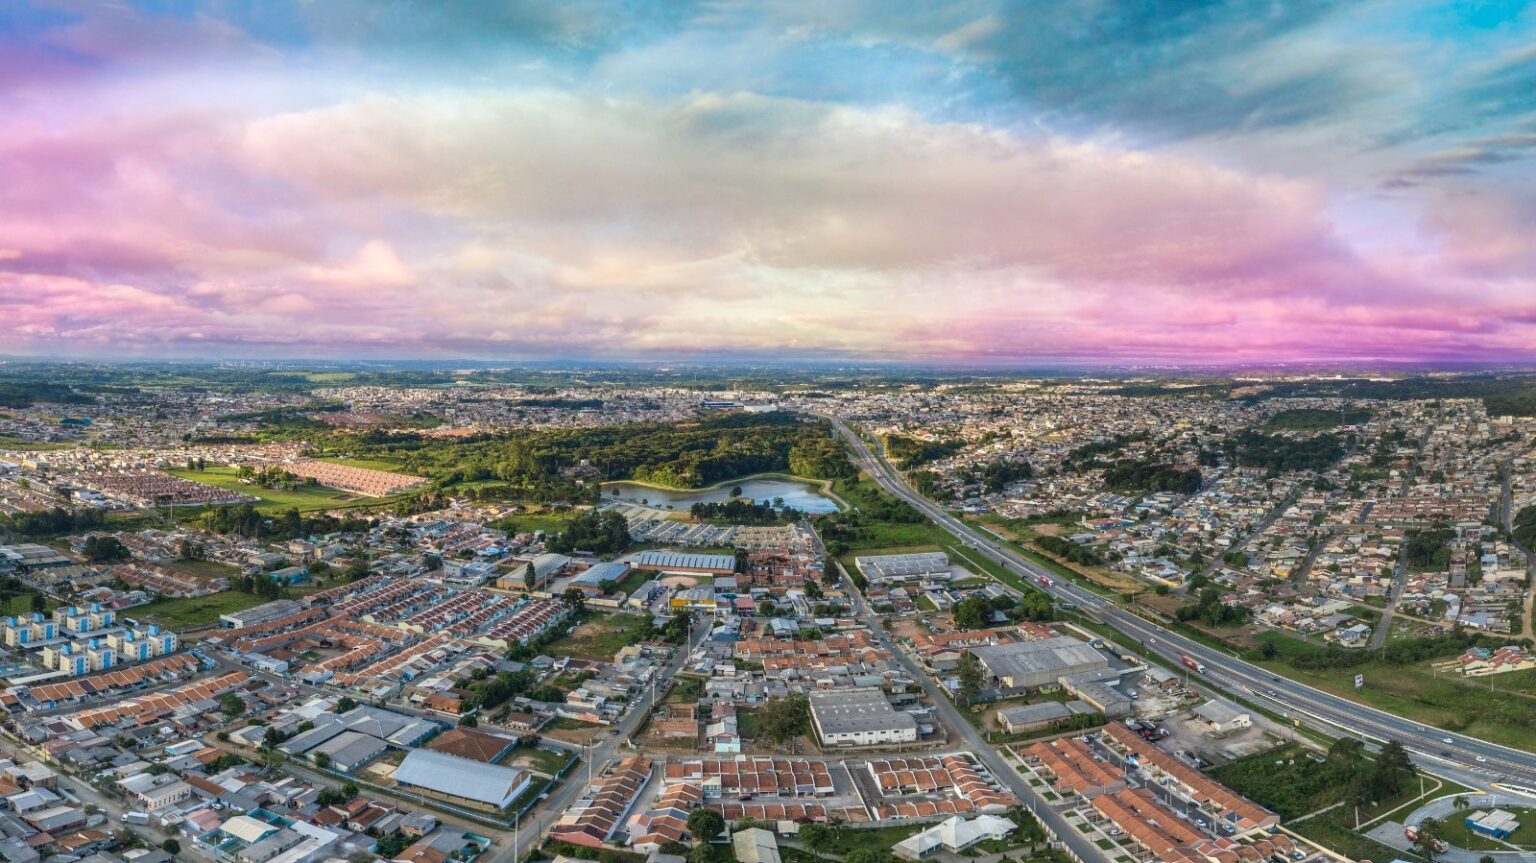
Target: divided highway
x: 1430, y: 746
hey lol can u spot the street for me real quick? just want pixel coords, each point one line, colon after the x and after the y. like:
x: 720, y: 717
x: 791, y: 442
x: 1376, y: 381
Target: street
x: 1321, y: 710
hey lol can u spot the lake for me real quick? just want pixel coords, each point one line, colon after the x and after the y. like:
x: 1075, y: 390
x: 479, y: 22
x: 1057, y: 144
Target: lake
x: 803, y: 496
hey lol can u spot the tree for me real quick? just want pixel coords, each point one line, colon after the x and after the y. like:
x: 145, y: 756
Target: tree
x: 1461, y: 802
x: 271, y: 739
x: 349, y: 790
x: 105, y: 549
x: 867, y: 855
x: 189, y: 550
x: 39, y: 602
x: 705, y: 824
x: 468, y: 720
x: 971, y: 676
x: 170, y: 846
x: 322, y: 760
x: 345, y: 704
x: 1427, y: 836
x: 231, y: 705
x: 701, y: 853
x: 575, y: 600
x: 817, y: 837
x: 783, y: 719
x: 972, y: 612
x: 530, y: 575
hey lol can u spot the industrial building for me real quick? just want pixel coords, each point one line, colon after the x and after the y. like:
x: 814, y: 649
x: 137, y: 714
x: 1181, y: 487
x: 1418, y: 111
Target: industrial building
x: 591, y: 579
x: 859, y: 717
x: 690, y: 564
x: 1033, y: 664
x: 1032, y: 717
x: 904, y: 568
x: 459, y: 780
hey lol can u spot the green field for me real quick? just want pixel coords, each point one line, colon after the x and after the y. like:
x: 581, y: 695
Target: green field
x: 13, y: 443
x: 541, y: 760
x: 303, y: 499
x: 634, y: 579
x: 191, y: 613
x: 201, y: 568
x: 364, y: 463
x: 1417, y: 693
x: 601, y: 636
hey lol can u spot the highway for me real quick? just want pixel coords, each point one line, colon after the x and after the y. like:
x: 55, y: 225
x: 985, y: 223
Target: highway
x: 1430, y: 747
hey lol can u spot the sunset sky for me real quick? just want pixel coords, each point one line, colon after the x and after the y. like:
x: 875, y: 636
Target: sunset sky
x: 973, y: 182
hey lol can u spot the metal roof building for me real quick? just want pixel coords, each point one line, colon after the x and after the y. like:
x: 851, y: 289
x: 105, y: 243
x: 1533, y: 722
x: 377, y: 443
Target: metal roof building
x: 593, y: 577
x: 1032, y: 664
x: 674, y: 561
x: 350, y: 750
x: 438, y: 774
x: 860, y: 717
x: 904, y: 567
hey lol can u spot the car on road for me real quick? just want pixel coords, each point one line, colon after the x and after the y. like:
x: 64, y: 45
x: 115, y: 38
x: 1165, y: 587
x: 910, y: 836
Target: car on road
x: 1481, y: 760
x: 1270, y: 693
x: 1446, y: 740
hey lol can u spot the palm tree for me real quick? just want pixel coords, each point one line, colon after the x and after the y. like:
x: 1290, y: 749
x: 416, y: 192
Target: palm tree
x: 1461, y: 802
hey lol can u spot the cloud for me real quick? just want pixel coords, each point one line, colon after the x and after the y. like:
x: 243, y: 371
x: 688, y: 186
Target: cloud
x: 788, y: 179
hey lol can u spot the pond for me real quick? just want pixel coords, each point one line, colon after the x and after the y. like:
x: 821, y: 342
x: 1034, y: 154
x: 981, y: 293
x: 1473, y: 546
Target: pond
x: 804, y: 496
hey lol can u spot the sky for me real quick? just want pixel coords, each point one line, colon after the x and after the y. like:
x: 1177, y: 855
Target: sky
x: 981, y: 182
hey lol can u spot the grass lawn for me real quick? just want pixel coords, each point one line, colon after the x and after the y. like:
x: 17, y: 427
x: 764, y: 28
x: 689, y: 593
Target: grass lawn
x: 201, y: 568
x: 565, y: 723
x: 21, y: 604
x: 925, y: 604
x: 548, y: 521
x: 634, y: 579
x: 15, y: 443
x: 303, y: 499
x: 1416, y: 693
x: 365, y: 463
x: 542, y: 760
x: 192, y: 612
x: 601, y: 636
x: 874, y: 838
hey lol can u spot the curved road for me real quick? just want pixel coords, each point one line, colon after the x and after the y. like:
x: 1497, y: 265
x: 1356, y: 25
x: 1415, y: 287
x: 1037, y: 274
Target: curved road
x: 1298, y: 701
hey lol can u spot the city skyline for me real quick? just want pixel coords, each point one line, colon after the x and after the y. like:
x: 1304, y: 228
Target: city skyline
x: 963, y: 183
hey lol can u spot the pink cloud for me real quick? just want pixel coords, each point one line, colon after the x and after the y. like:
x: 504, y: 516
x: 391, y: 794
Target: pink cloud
x: 539, y: 222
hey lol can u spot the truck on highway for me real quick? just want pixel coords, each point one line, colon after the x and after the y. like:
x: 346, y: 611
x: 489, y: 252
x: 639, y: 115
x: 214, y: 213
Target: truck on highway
x: 135, y: 817
x: 1192, y: 665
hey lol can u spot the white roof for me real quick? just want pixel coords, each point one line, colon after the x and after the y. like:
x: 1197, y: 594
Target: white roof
x: 460, y: 777
x: 247, y: 829
x: 955, y: 833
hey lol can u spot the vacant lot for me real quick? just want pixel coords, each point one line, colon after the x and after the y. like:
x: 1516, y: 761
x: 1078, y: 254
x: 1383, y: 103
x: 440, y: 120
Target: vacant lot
x: 1497, y: 709
x: 204, y: 569
x: 304, y: 498
x: 601, y: 636
x: 191, y: 613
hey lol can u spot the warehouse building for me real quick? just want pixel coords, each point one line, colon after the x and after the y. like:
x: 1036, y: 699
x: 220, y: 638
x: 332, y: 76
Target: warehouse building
x: 261, y: 613
x: 591, y: 580
x: 1033, y: 664
x: 859, y: 717
x: 1224, y: 717
x: 350, y: 750
x: 460, y: 781
x: 1033, y: 717
x: 690, y: 564
x: 904, y: 568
